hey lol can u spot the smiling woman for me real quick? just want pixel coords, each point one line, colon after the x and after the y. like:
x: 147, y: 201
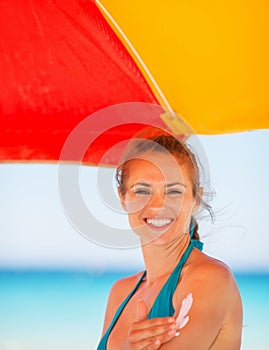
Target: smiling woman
x: 159, y: 188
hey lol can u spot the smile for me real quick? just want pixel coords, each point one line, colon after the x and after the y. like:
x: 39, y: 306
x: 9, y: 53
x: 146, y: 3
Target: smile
x: 160, y: 223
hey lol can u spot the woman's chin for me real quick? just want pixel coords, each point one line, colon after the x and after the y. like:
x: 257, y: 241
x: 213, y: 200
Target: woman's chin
x: 155, y: 235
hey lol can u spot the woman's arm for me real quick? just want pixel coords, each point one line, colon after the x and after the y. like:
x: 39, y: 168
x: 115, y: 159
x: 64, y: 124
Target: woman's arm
x: 215, y: 318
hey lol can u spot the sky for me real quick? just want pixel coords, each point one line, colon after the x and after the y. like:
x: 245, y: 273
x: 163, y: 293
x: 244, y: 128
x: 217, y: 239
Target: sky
x: 36, y: 233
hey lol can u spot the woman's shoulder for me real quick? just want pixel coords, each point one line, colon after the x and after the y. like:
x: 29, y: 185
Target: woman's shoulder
x: 208, y: 277
x: 122, y: 288
x: 206, y: 267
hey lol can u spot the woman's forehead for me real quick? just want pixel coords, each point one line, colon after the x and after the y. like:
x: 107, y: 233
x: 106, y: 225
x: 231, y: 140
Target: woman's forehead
x: 157, y: 166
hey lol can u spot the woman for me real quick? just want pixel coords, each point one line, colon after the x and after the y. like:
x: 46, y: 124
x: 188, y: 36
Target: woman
x: 184, y: 299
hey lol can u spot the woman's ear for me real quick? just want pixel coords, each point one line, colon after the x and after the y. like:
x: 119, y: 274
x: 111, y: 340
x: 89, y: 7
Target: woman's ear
x: 199, y: 196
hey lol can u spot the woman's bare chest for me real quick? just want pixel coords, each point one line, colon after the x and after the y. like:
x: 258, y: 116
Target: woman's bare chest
x: 119, y: 333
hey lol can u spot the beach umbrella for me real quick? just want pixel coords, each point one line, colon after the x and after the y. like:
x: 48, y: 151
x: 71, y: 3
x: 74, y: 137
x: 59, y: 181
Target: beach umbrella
x: 63, y: 61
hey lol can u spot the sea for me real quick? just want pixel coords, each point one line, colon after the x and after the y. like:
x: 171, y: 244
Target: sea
x: 64, y: 310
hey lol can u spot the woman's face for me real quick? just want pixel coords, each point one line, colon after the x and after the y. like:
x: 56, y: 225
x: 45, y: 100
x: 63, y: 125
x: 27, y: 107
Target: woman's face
x: 159, y: 197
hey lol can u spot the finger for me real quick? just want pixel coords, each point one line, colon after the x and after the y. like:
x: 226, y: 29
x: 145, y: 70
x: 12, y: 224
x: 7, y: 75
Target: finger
x: 166, y: 337
x: 141, y: 311
x: 164, y: 332
x: 151, y: 344
x: 155, y: 345
x: 146, y: 344
x: 154, y: 322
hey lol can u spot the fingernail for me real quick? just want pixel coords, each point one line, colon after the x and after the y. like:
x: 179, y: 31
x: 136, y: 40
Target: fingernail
x: 157, y: 342
x: 177, y: 334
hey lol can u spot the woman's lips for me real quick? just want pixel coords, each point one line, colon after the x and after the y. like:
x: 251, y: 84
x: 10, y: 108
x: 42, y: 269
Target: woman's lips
x: 158, y: 223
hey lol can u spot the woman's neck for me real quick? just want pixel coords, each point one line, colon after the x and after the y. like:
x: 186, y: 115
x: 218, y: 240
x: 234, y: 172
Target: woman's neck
x: 161, y: 260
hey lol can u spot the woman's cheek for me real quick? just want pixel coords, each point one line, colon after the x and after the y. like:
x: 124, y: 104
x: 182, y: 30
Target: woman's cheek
x: 175, y: 205
x: 136, y: 204
x: 182, y: 209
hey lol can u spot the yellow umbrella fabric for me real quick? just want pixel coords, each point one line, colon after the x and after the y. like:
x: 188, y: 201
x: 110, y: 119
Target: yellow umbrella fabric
x: 209, y: 58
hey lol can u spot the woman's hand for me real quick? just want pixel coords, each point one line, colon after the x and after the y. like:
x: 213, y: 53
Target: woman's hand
x: 150, y: 334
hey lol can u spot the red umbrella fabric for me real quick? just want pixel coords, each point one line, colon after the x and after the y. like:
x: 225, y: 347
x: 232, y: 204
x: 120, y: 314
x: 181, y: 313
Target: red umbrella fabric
x: 61, y: 62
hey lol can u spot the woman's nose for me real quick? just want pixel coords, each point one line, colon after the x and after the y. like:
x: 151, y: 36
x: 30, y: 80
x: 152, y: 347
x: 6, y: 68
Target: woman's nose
x: 156, y: 202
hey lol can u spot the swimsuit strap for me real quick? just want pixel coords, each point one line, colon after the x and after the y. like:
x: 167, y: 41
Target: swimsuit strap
x: 103, y: 342
x: 163, y: 305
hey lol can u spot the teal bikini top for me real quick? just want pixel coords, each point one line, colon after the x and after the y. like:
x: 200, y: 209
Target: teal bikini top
x: 163, y: 306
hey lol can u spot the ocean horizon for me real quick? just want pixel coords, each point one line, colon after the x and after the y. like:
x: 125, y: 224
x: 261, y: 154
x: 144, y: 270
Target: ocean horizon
x: 49, y: 310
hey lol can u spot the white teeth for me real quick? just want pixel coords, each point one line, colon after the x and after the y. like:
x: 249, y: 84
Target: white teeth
x: 159, y: 222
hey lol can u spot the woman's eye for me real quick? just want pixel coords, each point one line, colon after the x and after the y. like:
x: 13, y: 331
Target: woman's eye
x: 174, y: 192
x: 142, y: 192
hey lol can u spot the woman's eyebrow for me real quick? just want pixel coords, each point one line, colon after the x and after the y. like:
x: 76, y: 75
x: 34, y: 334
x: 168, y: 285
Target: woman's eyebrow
x: 175, y: 183
x: 141, y: 184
